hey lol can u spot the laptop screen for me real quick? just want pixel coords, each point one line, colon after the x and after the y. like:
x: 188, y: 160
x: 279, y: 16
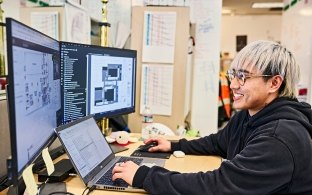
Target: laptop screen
x: 85, y: 144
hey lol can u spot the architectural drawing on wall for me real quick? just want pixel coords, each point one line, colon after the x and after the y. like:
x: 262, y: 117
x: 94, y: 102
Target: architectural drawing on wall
x: 78, y: 26
x: 159, y: 37
x: 157, y: 88
x: 46, y: 22
x: 108, y: 94
x: 40, y: 95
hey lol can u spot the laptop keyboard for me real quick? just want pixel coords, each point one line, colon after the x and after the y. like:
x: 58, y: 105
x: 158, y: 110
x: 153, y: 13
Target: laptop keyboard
x: 106, y: 179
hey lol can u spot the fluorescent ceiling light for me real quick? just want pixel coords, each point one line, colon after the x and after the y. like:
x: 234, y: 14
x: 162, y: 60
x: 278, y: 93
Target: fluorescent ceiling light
x: 268, y: 5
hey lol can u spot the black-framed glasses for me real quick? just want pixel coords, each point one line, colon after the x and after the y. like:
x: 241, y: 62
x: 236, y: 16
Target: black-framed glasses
x: 242, y: 76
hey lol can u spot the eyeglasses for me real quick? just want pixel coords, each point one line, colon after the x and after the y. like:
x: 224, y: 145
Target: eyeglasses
x: 242, y: 76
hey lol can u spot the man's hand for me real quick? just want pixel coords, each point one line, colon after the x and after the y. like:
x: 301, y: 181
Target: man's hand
x: 163, y: 145
x: 125, y: 171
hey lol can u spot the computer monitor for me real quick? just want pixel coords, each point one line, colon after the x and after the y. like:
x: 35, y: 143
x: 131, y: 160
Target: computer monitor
x: 34, y: 93
x: 96, y: 80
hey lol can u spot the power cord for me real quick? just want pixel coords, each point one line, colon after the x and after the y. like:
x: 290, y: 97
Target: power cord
x: 89, y: 190
x: 85, y: 190
x: 61, y: 192
x: 4, y: 183
x: 41, y: 186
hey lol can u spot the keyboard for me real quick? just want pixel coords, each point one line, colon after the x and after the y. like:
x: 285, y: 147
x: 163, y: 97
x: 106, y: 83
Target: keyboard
x: 106, y: 179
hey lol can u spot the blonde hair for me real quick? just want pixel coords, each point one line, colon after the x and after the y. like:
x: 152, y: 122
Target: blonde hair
x: 270, y: 58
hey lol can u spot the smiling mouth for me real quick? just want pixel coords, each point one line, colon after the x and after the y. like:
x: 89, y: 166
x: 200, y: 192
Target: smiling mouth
x: 237, y: 96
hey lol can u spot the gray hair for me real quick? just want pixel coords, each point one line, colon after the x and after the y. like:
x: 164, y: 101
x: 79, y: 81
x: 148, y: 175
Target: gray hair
x: 270, y: 58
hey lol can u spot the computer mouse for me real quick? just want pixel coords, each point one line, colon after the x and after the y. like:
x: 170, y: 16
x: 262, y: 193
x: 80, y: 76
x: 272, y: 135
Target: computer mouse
x: 179, y: 154
x: 146, y: 147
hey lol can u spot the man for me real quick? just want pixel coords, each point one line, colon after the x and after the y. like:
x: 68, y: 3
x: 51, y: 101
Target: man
x: 267, y: 144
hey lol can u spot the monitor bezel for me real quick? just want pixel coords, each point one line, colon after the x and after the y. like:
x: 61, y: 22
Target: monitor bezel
x: 118, y: 112
x: 13, y: 172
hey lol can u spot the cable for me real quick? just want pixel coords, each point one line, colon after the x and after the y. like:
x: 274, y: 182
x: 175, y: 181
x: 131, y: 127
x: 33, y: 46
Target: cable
x: 61, y: 192
x: 42, y: 185
x: 85, y: 190
x: 4, y: 183
x: 90, y: 190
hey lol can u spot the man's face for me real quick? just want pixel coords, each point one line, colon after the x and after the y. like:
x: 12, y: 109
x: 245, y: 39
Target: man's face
x: 251, y: 93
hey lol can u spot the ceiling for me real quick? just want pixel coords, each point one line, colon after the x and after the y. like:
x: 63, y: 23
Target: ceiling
x: 243, y: 7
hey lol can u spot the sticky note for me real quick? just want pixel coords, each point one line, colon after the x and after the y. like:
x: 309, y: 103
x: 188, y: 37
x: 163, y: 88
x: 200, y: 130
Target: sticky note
x: 29, y: 179
x: 48, y: 161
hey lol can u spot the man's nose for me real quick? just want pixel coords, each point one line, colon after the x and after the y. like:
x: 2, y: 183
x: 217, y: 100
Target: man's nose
x: 234, y: 83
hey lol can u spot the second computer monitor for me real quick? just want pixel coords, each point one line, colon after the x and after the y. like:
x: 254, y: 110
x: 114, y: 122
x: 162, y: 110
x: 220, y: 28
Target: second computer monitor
x: 96, y: 80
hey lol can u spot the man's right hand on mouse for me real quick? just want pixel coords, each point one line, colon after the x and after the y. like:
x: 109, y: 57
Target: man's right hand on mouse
x: 163, y: 145
x: 147, y: 146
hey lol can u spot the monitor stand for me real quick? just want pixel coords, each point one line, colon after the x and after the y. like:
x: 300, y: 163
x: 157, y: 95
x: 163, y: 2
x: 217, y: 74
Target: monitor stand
x: 46, y: 189
x: 17, y: 190
x: 62, y: 171
x: 49, y: 188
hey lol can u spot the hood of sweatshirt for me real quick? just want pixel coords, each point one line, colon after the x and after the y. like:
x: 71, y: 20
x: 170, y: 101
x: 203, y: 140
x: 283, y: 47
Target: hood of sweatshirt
x: 284, y: 108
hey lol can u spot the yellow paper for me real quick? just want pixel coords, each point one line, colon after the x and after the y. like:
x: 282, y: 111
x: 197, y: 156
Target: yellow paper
x: 48, y: 161
x: 29, y: 179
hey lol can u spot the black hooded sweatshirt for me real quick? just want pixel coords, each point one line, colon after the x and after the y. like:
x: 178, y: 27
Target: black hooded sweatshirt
x: 268, y: 153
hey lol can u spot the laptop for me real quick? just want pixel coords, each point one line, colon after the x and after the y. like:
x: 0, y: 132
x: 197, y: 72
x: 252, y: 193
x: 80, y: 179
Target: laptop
x: 117, y: 148
x: 92, y: 156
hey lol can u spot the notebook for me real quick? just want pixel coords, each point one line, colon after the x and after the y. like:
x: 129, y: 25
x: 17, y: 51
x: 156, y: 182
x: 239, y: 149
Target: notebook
x: 92, y: 156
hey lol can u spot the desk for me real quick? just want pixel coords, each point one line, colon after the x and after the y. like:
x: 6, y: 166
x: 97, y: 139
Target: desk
x: 188, y: 164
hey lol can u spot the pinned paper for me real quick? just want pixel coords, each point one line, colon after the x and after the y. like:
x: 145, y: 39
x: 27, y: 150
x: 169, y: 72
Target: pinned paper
x: 30, y: 182
x: 48, y: 161
x: 159, y: 32
x: 157, y: 88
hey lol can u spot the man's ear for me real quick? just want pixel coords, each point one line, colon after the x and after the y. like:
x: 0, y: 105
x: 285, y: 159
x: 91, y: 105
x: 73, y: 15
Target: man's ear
x: 276, y: 82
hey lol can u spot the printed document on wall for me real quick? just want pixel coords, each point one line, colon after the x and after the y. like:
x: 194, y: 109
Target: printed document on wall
x: 159, y: 37
x: 78, y: 26
x: 157, y: 88
x: 45, y: 22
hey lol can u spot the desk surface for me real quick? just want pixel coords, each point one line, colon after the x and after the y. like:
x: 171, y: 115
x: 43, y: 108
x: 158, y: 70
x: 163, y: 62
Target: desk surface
x: 188, y: 164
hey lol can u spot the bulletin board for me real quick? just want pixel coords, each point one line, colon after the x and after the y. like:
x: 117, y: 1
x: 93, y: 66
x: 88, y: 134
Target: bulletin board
x: 178, y: 65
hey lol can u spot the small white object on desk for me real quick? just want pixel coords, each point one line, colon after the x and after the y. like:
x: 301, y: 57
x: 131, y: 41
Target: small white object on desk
x: 148, y: 164
x: 133, y: 139
x: 179, y: 154
x: 2, y: 94
x: 109, y: 139
x: 122, y: 137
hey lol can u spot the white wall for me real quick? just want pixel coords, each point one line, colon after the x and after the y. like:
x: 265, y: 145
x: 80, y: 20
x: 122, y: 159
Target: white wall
x: 297, y: 37
x: 11, y: 8
x: 204, y: 101
x: 266, y: 27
